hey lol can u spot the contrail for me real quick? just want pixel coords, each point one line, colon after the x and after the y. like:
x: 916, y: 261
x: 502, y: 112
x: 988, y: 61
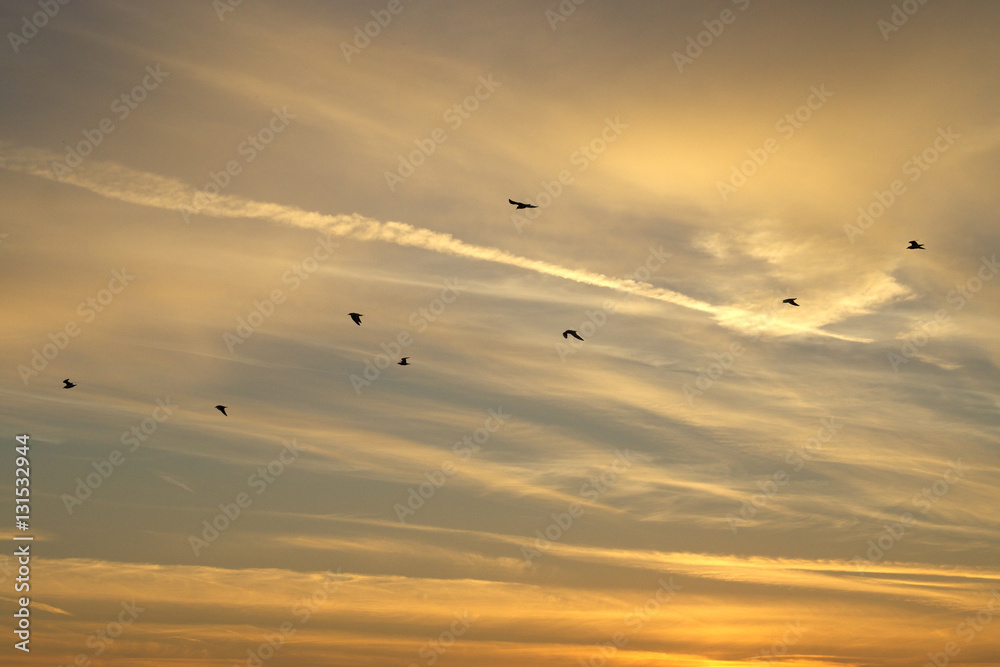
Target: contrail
x: 115, y: 181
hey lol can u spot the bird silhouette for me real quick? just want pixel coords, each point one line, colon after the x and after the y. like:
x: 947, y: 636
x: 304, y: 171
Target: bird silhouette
x: 67, y: 384
x: 222, y: 409
x: 356, y: 317
x: 791, y: 301
x: 404, y: 362
x: 570, y: 332
x: 519, y: 205
x: 914, y: 246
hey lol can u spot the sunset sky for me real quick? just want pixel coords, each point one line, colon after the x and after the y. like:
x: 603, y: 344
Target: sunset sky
x: 195, y: 195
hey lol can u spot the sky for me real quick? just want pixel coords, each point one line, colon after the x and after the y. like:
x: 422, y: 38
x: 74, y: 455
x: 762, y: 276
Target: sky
x: 194, y: 196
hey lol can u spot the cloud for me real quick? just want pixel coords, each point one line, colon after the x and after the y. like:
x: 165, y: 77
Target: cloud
x: 176, y: 482
x: 144, y: 189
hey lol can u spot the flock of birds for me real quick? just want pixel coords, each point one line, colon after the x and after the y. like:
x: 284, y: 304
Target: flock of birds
x: 566, y: 334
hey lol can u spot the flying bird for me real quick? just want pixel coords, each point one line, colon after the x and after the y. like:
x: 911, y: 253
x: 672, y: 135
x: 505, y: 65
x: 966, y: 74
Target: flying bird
x: 791, y: 301
x: 404, y: 362
x: 67, y: 384
x: 519, y: 205
x: 222, y: 409
x: 570, y: 332
x: 356, y: 317
x: 915, y: 246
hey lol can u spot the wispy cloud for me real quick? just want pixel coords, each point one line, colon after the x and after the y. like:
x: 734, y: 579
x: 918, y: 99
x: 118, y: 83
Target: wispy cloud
x: 176, y: 482
x: 118, y: 182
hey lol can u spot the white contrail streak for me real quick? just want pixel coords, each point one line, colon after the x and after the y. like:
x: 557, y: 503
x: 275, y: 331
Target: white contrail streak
x: 115, y: 181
